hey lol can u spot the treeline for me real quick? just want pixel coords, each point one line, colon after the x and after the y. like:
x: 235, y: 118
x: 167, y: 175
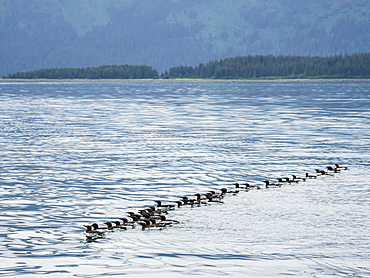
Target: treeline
x: 101, y: 72
x: 250, y: 67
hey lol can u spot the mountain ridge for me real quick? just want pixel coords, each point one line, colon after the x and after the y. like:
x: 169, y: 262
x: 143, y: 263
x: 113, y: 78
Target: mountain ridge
x: 163, y: 33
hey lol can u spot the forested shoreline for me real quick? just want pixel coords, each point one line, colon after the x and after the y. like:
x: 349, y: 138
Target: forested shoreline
x: 254, y: 67
x: 245, y: 67
x: 101, y: 72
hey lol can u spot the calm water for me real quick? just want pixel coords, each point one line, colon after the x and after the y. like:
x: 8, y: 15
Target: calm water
x: 74, y: 153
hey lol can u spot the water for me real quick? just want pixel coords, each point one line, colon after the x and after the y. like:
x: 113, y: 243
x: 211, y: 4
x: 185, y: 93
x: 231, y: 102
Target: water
x: 74, y: 153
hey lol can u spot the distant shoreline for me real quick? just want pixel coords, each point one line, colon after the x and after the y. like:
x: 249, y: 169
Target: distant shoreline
x: 182, y: 80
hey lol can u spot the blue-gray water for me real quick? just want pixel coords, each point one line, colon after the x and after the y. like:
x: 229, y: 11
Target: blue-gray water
x: 74, y: 153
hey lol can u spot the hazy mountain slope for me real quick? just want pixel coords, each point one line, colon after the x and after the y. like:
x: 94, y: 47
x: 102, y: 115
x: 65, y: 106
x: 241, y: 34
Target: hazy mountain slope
x: 164, y: 33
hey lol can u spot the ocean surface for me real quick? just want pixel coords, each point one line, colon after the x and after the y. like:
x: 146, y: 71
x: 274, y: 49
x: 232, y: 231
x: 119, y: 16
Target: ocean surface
x: 74, y: 153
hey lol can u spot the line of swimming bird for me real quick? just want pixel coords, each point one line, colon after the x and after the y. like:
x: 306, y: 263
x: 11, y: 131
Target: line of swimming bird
x: 155, y: 217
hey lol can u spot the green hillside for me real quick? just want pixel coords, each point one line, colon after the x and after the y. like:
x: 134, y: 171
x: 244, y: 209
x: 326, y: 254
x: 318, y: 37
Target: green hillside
x: 164, y: 33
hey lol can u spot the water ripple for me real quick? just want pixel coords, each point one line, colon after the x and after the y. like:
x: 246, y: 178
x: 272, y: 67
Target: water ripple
x: 81, y: 152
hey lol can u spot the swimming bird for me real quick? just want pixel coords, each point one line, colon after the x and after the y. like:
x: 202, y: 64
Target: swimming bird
x: 269, y: 185
x: 239, y: 187
x: 179, y: 203
x: 340, y: 167
x: 134, y: 215
x: 96, y: 227
x: 217, y: 196
x: 158, y: 211
x: 225, y: 191
x: 289, y: 180
x: 211, y: 200
x: 248, y: 186
x: 281, y: 181
x: 308, y: 176
x: 109, y: 225
x: 147, y: 215
x: 127, y: 223
x: 164, y: 207
x: 148, y: 225
x: 90, y: 231
x: 135, y: 218
x: 119, y: 225
x: 188, y: 202
x: 298, y: 178
x: 323, y: 173
x: 335, y: 170
x: 200, y: 200
x: 151, y: 217
x: 148, y: 211
x: 168, y: 221
x: 318, y: 172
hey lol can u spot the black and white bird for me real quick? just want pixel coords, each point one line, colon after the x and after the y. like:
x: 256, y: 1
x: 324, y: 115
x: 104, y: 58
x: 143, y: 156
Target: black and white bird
x: 340, y: 167
x: 164, y: 207
x: 271, y: 185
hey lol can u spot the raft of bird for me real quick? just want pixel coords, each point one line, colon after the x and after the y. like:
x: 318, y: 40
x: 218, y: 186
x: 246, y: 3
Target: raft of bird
x: 155, y: 217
